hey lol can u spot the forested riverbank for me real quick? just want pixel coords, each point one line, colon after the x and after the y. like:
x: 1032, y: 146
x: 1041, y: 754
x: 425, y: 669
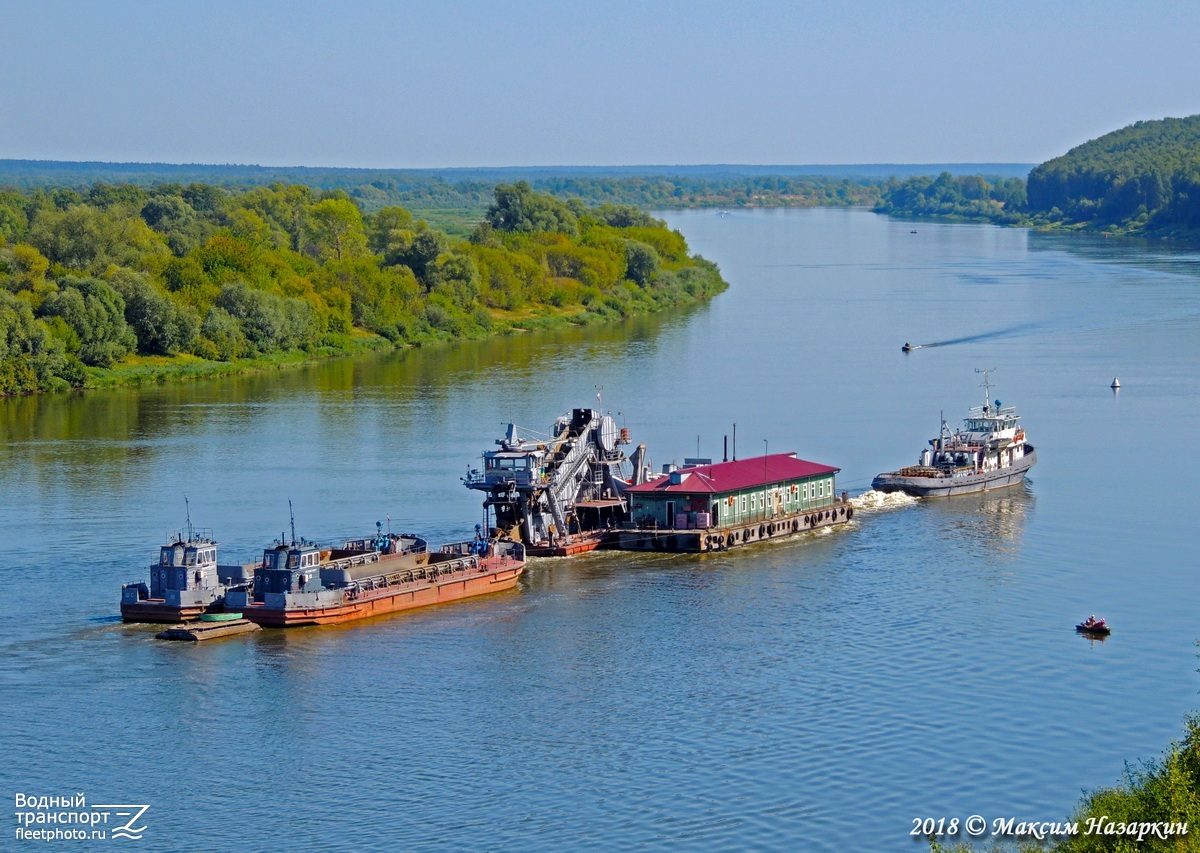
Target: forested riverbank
x: 1141, y: 180
x: 120, y: 283
x: 451, y: 198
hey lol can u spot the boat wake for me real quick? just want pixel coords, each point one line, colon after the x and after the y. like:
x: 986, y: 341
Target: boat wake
x: 878, y: 501
x: 1007, y: 332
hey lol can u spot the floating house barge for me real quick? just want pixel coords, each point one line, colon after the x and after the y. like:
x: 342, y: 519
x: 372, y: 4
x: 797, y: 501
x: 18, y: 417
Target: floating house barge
x: 714, y: 507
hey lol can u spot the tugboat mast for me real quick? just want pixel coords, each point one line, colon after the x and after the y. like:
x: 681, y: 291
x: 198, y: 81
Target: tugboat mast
x: 987, y: 387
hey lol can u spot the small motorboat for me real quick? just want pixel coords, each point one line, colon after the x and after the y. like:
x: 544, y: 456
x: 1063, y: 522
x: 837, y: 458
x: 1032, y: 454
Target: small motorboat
x: 1092, y: 625
x: 907, y: 347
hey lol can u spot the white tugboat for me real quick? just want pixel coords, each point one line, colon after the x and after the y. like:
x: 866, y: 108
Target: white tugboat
x: 988, y: 452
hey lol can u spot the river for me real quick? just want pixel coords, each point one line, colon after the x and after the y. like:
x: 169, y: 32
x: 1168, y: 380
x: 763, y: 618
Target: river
x: 816, y: 694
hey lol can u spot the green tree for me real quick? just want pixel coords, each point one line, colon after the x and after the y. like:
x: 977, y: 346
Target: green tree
x: 161, y: 326
x: 379, y: 298
x: 13, y: 219
x: 221, y: 336
x: 484, y: 235
x: 335, y: 228
x: 187, y: 279
x: 96, y: 313
x: 249, y: 227
x: 89, y: 238
x: 204, y: 198
x: 458, y: 277
x: 641, y: 262
x: 518, y: 208
x: 626, y: 216
x: 30, y: 358
x: 104, y: 195
x: 177, y: 221
x: 269, y: 322
x: 284, y: 208
x: 388, y: 229
x: 1165, y: 792
x: 420, y: 253
x: 23, y: 270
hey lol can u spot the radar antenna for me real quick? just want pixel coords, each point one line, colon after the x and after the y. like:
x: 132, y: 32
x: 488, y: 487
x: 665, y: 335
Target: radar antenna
x: 986, y: 386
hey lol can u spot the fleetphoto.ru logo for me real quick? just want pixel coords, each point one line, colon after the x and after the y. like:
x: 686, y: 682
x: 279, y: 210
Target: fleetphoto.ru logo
x: 70, y: 818
x: 131, y: 813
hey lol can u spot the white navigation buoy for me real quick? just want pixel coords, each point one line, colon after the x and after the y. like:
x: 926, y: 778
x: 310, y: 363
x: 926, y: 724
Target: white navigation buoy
x: 1116, y: 384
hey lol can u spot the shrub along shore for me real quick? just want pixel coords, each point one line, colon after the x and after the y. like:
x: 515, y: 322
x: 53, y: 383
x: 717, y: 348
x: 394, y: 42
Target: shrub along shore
x: 123, y: 284
x: 1155, y: 808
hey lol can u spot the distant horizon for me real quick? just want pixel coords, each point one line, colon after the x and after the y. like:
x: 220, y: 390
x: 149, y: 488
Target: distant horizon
x: 705, y: 165
x: 12, y: 168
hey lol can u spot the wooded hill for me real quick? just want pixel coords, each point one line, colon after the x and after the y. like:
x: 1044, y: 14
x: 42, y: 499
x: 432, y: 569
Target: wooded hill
x: 1142, y: 179
x: 93, y: 278
x: 1145, y: 176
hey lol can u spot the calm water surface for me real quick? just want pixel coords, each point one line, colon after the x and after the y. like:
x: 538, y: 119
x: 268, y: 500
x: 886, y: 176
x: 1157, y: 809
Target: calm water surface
x: 817, y: 694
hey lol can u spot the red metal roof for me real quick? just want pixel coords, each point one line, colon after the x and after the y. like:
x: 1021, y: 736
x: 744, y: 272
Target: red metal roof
x: 732, y: 476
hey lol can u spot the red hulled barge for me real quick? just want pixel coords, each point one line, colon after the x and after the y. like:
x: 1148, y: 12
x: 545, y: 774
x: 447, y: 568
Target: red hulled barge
x: 303, y: 583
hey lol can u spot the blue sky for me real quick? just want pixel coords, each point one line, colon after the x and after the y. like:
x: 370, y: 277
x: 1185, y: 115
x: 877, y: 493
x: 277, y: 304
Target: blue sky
x: 425, y: 84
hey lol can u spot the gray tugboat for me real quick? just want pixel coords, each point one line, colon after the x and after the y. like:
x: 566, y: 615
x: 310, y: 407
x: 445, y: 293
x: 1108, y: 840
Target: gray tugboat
x: 988, y: 452
x: 185, y: 583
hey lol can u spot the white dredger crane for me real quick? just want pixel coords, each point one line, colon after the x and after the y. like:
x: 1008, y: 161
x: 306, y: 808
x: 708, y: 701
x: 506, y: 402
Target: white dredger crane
x: 546, y: 490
